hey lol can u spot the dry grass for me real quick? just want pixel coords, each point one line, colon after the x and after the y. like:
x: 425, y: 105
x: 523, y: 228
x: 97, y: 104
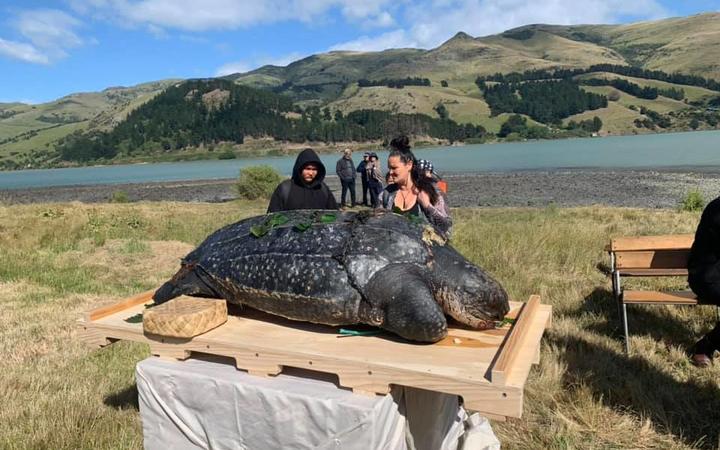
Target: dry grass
x: 59, y: 260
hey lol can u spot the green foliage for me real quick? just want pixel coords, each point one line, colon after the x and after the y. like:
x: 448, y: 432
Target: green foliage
x: 398, y: 83
x: 257, y: 182
x: 227, y: 154
x: 694, y: 123
x: 544, y: 101
x: 444, y: 83
x: 693, y: 201
x: 590, y: 126
x: 119, y: 197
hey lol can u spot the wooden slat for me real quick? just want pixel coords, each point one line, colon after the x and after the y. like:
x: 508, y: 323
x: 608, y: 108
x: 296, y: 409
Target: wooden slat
x: 663, y: 259
x: 511, y: 348
x: 665, y: 242
x: 105, y: 311
x: 660, y: 298
x: 653, y: 272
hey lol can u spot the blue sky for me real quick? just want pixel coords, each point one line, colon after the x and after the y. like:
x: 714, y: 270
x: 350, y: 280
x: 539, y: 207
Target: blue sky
x: 51, y: 49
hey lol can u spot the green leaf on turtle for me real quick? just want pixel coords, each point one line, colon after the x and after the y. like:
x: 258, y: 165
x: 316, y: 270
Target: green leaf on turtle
x: 328, y: 218
x: 259, y: 230
x: 397, y: 210
x: 277, y: 220
x: 302, y: 226
x: 137, y: 318
x: 501, y: 323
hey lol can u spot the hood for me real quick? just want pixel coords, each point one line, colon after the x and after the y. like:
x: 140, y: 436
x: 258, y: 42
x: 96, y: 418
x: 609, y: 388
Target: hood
x: 306, y: 157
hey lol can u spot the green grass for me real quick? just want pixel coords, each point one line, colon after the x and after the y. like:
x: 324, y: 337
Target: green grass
x: 59, y: 260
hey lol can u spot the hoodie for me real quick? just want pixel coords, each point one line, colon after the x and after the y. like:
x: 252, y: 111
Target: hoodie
x: 296, y: 194
x: 704, y: 259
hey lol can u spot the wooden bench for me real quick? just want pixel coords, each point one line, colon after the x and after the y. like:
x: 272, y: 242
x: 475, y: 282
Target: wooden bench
x: 649, y: 256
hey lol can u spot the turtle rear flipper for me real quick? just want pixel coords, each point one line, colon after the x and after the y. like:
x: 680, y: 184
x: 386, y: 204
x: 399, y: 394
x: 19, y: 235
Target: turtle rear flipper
x: 189, y: 280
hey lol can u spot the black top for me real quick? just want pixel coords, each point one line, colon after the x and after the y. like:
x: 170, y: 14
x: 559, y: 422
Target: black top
x: 296, y: 194
x: 704, y: 260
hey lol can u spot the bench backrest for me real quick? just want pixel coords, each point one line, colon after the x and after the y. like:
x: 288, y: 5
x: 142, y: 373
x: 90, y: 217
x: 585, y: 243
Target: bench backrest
x: 652, y: 252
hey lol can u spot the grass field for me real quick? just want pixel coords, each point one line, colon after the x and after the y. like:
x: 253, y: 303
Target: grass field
x: 59, y: 260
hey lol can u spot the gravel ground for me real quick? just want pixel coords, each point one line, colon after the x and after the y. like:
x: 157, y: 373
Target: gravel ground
x: 651, y: 189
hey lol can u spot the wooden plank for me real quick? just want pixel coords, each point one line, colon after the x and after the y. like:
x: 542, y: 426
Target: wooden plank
x: 105, y: 311
x: 511, y: 349
x: 660, y: 297
x: 263, y: 344
x: 653, y: 272
x: 664, y: 242
x: 661, y: 259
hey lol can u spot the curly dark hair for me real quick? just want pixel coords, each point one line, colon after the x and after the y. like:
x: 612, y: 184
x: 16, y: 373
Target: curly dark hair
x: 400, y: 147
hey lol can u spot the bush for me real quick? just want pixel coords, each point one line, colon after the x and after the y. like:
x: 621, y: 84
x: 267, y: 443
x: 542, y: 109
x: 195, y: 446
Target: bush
x: 227, y: 154
x: 692, y: 202
x: 119, y: 197
x: 257, y: 182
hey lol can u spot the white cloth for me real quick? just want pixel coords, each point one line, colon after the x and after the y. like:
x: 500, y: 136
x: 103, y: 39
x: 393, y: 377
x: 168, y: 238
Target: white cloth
x: 205, y: 404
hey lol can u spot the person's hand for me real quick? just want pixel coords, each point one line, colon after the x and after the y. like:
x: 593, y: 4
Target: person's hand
x: 424, y: 199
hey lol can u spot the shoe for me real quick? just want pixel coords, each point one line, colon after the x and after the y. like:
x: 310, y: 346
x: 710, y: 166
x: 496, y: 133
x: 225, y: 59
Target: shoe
x: 701, y: 360
x: 701, y: 354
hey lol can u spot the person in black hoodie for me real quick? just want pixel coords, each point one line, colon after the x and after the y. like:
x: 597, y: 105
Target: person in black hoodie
x: 704, y: 276
x: 306, y: 189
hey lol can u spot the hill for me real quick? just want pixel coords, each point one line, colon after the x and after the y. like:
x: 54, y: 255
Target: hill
x: 344, y: 82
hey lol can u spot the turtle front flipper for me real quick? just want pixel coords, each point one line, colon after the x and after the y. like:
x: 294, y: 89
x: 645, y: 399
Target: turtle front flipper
x: 402, y: 294
x: 189, y: 280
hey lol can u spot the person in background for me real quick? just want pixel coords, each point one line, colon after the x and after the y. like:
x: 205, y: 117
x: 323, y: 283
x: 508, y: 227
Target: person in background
x: 375, y: 180
x: 412, y: 192
x: 306, y: 188
x: 363, y: 177
x: 704, y: 277
x: 345, y: 169
x: 427, y: 169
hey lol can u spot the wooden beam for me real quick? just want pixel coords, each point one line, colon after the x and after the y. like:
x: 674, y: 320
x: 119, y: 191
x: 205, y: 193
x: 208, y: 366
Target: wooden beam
x: 513, y: 343
x: 647, y: 259
x: 115, y: 307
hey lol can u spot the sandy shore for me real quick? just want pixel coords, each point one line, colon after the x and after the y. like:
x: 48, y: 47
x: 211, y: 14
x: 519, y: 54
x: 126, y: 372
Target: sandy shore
x: 651, y: 189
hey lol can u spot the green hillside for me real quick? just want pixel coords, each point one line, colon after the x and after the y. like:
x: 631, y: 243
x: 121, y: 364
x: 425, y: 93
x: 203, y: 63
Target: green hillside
x: 27, y: 132
x: 30, y: 134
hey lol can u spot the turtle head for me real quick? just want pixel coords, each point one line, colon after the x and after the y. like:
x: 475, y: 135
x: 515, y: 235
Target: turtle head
x: 465, y: 292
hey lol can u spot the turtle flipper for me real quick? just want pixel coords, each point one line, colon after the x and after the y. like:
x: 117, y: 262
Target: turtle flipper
x: 189, y: 280
x: 403, y: 293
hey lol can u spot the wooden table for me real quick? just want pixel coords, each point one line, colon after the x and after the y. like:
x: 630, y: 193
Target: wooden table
x: 488, y: 368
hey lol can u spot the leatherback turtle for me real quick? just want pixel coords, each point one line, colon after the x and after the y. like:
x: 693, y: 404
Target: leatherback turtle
x: 341, y: 268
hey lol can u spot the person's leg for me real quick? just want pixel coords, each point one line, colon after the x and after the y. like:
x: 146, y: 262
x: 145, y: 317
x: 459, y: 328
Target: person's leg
x: 344, y: 185
x: 373, y: 195
x: 351, y: 185
x: 365, y: 191
x: 703, y: 350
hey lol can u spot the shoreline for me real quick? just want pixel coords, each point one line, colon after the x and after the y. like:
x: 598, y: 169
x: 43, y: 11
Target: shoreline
x: 652, y: 188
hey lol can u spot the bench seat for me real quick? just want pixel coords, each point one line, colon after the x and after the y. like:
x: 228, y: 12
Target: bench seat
x: 659, y: 297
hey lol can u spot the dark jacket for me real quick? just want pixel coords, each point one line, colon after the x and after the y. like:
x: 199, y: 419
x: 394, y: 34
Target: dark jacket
x: 296, y: 194
x: 345, y: 169
x: 361, y: 170
x: 704, y: 260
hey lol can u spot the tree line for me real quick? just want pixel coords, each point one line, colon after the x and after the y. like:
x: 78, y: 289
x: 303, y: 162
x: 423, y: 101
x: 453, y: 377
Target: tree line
x: 398, y: 83
x: 544, y: 101
x: 201, y: 112
x: 630, y: 71
x: 645, y: 92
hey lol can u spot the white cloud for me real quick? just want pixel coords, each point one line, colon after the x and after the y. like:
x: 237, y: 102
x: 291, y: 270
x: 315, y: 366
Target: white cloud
x: 48, y: 33
x: 22, y: 51
x: 433, y: 22
x: 248, y: 65
x: 390, y: 39
x: 192, y: 15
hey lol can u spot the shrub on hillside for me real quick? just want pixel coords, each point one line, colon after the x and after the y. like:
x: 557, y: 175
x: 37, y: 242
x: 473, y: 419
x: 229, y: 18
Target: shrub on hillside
x: 693, y: 201
x: 257, y: 182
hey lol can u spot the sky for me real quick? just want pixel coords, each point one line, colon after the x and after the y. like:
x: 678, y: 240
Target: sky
x: 51, y: 49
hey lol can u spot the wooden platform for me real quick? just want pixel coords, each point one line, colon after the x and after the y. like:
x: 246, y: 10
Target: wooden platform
x: 487, y: 368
